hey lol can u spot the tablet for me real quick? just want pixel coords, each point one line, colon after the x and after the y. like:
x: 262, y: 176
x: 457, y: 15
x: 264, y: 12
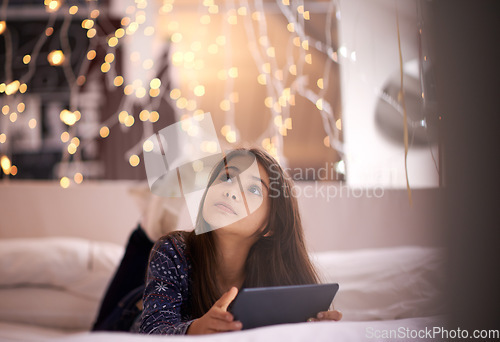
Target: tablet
x: 261, y: 306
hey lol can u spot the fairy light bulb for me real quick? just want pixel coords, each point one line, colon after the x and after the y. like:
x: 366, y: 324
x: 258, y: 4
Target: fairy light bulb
x: 56, y: 57
x: 52, y: 5
x: 3, y: 26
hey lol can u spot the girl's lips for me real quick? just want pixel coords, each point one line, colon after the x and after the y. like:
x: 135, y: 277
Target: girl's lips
x: 225, y: 207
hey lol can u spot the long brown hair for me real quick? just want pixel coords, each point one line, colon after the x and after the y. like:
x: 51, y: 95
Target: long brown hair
x: 278, y: 257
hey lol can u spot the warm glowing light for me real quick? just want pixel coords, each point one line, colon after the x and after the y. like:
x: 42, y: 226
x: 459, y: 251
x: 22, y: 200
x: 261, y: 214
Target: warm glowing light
x: 75, y: 141
x: 257, y: 16
x: 56, y: 57
x: 129, y: 121
x: 268, y: 101
x: 213, y: 49
x: 68, y: 117
x: 262, y: 79
x: 305, y: 44
x: 26, y: 59
x: 154, y: 92
x: 125, y: 21
x: 199, y: 90
x: 134, y: 160
x: 154, y: 116
x: 144, y: 115
x: 3, y: 26
x: 175, y: 94
x: 155, y: 83
x: 5, y: 109
x: 286, y: 2
x: 233, y: 72
x: 21, y: 107
x: 3, y: 138
x: 278, y: 120
x: 32, y: 123
x: 13, y: 117
x: 119, y: 33
x: 231, y: 136
x: 148, y: 146
x: 22, y: 88
x: 225, y: 130
x: 113, y: 41
x: 80, y: 80
x: 91, y: 55
x: 214, y: 9
x: 73, y: 10
x: 52, y: 5
x: 338, y: 124
x: 300, y: 9
x: 49, y: 31
x: 13, y: 170
x: 12, y: 87
x: 270, y: 52
x: 308, y: 58
x: 293, y: 69
x: 176, y: 37
x: 140, y: 92
x: 105, y: 67
x: 290, y: 27
x: 94, y: 14
x: 296, y: 41
x: 149, y: 31
x: 87, y: 24
x: 118, y: 81
x: 242, y: 11
x: 288, y: 123
x: 91, y: 33
x: 78, y: 178
x: 110, y: 57
x: 64, y: 137
x: 5, y: 163
x: 225, y: 105
x: 205, y: 19
x: 319, y: 104
x: 319, y: 83
x: 147, y: 64
x: 104, y: 131
x: 266, y: 67
x: 129, y: 89
x: 72, y: 148
x: 326, y: 141
x: 306, y: 15
x: 64, y: 181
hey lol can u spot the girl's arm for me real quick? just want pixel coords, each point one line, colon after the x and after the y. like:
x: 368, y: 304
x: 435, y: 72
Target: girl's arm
x: 166, y: 292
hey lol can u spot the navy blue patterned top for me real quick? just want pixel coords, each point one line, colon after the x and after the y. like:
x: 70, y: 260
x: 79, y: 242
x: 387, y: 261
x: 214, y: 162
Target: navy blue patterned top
x: 166, y: 296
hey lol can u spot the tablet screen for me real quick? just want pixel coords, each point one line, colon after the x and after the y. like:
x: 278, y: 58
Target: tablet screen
x: 261, y: 306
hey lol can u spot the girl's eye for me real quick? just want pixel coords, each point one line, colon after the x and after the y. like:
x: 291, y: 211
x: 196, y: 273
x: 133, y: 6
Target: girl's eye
x: 255, y: 190
x: 224, y: 177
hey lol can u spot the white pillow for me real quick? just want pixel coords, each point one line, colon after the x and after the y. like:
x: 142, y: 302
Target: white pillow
x: 389, y: 283
x: 47, y: 307
x: 77, y: 265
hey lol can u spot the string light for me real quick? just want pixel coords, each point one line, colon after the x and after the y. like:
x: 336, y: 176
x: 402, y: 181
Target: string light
x: 56, y: 57
x: 3, y: 26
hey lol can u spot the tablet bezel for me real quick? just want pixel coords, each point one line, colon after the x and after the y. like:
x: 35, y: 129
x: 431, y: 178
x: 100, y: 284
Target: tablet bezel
x: 263, y: 306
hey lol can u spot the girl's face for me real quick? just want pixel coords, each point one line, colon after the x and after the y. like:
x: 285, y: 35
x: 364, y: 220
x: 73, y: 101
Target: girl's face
x: 238, y: 201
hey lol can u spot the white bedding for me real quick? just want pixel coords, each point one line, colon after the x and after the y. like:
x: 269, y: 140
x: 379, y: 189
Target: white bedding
x: 50, y: 288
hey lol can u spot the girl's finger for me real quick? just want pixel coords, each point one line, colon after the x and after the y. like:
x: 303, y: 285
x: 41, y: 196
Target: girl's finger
x: 333, y: 315
x: 226, y: 298
x: 219, y: 313
x: 222, y: 325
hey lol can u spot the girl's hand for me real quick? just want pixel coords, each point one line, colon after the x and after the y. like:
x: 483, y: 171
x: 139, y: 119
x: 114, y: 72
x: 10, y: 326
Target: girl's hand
x: 331, y: 315
x: 217, y: 319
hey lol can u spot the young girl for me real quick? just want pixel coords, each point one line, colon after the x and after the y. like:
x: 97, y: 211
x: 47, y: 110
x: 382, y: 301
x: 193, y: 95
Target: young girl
x: 248, y: 233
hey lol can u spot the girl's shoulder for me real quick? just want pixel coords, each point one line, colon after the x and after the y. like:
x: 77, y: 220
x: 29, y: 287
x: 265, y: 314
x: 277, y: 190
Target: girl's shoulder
x: 173, y: 244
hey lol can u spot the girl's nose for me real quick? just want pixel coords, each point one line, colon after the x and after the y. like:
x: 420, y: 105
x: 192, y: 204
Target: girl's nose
x: 231, y: 194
